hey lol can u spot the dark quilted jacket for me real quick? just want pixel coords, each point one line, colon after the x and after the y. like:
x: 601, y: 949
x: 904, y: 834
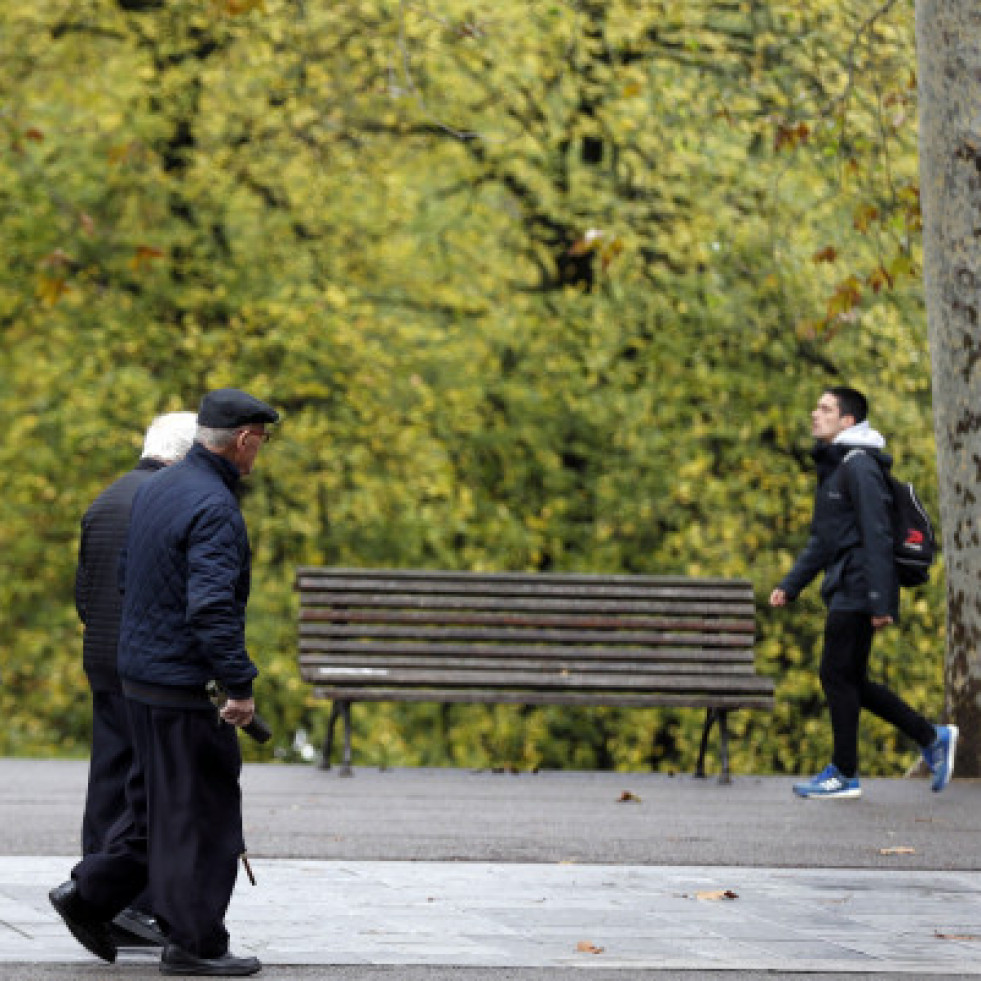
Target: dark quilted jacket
x: 97, y: 597
x: 851, y: 534
x: 186, y: 573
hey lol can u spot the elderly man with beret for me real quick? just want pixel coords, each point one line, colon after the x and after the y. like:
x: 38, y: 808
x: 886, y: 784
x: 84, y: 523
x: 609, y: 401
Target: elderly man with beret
x: 185, y: 573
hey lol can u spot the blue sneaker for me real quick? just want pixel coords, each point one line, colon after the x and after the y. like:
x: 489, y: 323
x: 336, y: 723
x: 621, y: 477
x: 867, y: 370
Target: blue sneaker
x: 939, y: 756
x: 830, y: 783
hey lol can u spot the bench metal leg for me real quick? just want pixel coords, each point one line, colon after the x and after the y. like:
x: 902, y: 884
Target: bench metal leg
x: 724, y: 746
x: 338, y: 708
x: 712, y: 716
x: 706, y: 729
x: 329, y: 738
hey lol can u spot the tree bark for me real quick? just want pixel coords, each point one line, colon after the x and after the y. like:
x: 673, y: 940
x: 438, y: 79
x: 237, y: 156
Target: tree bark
x: 948, y: 36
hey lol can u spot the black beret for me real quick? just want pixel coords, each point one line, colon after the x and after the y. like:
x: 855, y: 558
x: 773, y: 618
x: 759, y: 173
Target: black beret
x: 229, y: 408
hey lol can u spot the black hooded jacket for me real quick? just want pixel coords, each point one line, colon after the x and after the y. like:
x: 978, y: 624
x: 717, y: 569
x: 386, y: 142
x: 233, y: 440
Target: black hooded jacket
x: 97, y: 596
x: 851, y: 533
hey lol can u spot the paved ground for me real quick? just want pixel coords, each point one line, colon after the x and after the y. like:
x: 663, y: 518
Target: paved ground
x: 447, y: 875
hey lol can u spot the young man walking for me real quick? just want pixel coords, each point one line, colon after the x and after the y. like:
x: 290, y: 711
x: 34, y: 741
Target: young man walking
x: 851, y: 543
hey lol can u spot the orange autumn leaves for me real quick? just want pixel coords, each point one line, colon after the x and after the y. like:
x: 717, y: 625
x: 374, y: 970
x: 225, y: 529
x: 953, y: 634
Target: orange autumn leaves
x: 58, y: 267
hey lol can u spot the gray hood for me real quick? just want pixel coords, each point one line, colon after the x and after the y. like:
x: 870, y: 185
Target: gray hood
x: 862, y: 434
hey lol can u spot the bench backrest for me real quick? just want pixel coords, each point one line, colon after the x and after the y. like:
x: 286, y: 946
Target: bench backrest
x: 529, y: 638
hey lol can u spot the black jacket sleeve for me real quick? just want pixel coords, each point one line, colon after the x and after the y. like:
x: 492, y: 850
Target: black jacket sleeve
x: 812, y: 560
x: 217, y: 592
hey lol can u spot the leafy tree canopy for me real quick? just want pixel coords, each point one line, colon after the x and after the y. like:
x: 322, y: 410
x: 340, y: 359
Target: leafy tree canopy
x: 537, y: 286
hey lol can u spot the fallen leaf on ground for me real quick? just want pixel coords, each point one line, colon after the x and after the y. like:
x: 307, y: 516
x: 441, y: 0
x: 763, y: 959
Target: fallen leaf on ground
x: 628, y: 797
x: 585, y: 947
x: 716, y: 894
x: 898, y: 850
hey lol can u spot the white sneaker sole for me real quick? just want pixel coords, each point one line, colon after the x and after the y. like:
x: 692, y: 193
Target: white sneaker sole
x: 852, y: 794
x: 811, y: 792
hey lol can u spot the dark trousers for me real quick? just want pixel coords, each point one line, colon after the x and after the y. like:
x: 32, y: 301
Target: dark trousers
x: 112, y: 757
x: 180, y: 836
x: 109, y: 766
x: 844, y: 678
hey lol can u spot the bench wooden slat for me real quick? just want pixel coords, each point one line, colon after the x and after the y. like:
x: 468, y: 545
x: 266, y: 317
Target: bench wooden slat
x: 690, y: 606
x: 745, y: 700
x: 579, y: 621
x: 312, y: 664
x: 621, y: 599
x: 532, y: 680
x: 458, y: 580
x: 631, y: 637
x: 664, y: 593
x: 367, y: 650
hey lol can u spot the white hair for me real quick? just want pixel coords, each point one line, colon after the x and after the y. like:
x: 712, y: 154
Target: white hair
x: 216, y: 439
x: 170, y: 436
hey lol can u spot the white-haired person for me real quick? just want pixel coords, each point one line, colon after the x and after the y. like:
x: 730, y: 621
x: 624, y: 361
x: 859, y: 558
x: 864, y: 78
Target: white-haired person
x: 186, y: 569
x: 99, y: 604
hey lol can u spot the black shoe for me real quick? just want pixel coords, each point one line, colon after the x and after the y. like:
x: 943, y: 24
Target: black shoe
x: 90, y: 932
x: 175, y: 960
x: 134, y: 928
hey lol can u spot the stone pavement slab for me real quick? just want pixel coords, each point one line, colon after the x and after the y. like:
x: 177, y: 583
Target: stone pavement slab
x: 488, y: 915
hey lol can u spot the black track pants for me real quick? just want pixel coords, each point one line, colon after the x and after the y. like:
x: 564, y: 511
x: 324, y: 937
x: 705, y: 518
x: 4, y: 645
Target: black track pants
x: 844, y: 678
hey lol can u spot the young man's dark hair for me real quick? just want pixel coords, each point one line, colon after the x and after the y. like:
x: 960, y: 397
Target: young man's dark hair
x: 851, y: 402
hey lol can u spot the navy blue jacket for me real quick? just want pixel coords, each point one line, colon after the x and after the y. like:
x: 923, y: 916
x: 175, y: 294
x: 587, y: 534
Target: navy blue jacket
x: 97, y: 597
x: 851, y: 534
x: 186, y: 573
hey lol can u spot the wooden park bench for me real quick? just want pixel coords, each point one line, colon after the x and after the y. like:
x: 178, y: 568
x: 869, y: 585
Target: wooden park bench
x: 529, y: 639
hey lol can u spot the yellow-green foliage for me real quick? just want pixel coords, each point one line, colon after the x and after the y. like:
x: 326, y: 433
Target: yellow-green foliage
x: 537, y: 286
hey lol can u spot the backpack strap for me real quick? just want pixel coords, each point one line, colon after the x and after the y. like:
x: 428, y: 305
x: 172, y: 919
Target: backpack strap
x: 886, y: 474
x: 856, y: 451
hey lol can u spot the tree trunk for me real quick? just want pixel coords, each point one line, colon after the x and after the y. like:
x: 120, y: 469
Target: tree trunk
x: 948, y: 35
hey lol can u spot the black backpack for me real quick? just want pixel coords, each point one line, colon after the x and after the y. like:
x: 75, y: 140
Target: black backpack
x: 914, y: 545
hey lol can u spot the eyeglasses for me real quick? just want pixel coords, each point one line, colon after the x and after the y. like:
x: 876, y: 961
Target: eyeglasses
x: 265, y: 437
